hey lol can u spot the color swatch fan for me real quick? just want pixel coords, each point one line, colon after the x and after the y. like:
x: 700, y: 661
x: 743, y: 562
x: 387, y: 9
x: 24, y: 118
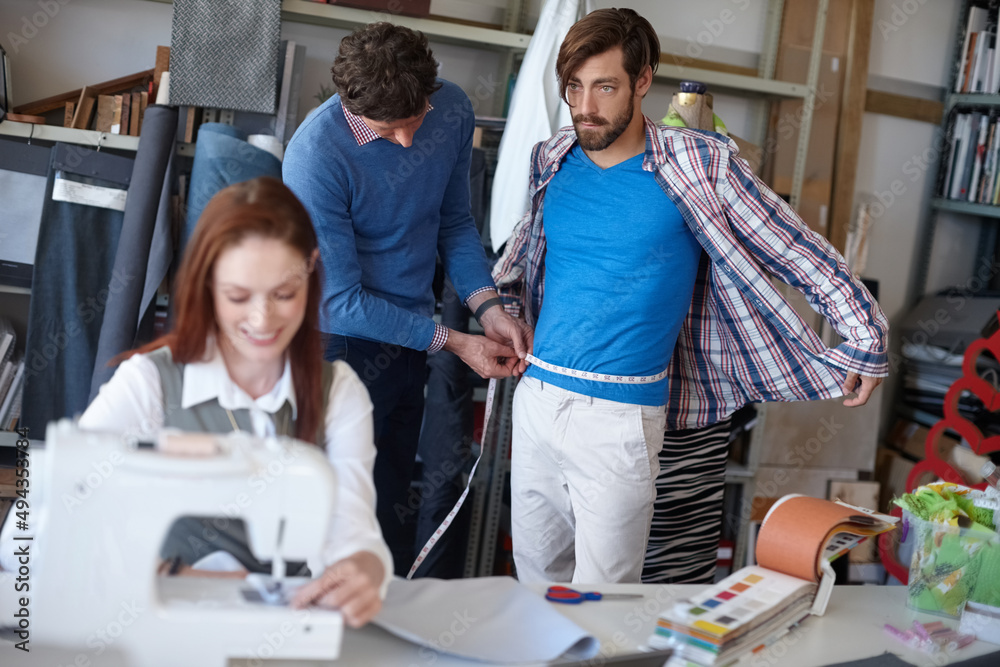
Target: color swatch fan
x: 755, y: 606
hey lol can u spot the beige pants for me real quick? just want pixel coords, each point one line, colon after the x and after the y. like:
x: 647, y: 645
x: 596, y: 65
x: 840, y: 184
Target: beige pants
x: 583, y: 474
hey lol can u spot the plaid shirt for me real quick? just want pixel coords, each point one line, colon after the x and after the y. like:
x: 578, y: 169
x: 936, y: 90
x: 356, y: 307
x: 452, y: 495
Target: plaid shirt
x: 741, y: 342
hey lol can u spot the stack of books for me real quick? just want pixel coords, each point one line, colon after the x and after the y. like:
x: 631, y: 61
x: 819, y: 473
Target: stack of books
x: 974, y: 158
x: 756, y: 606
x: 979, y: 70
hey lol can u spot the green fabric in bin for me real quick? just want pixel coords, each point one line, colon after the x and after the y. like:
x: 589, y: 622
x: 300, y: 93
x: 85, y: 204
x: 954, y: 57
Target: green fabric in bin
x: 956, y: 554
x: 987, y: 588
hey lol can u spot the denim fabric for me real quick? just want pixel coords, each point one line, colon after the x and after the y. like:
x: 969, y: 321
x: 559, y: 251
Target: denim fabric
x: 71, y: 283
x: 394, y: 376
x: 445, y: 450
x: 222, y: 157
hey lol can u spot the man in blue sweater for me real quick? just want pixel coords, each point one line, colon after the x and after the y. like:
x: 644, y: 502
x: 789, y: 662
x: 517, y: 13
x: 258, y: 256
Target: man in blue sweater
x: 383, y: 169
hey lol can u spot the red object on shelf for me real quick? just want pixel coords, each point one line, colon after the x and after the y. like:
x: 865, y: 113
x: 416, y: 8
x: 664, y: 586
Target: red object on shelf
x: 418, y: 8
x: 933, y: 466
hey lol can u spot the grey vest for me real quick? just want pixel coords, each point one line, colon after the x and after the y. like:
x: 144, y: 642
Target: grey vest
x: 210, y: 417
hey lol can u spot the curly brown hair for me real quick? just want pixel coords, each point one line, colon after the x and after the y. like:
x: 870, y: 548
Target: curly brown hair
x: 385, y: 72
x: 602, y: 30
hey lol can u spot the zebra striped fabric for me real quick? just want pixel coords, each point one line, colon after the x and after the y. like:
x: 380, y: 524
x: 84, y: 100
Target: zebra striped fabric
x: 687, y: 516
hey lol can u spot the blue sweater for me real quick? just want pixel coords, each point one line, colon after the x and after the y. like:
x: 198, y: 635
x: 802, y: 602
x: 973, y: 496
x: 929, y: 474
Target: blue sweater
x: 383, y: 212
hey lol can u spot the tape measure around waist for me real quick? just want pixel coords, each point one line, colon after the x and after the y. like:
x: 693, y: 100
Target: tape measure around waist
x: 596, y: 377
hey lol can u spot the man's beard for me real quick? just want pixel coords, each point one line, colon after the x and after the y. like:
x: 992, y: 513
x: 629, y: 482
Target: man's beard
x: 599, y: 138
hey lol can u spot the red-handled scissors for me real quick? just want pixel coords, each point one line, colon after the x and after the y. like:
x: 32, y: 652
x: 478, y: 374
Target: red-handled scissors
x: 569, y: 596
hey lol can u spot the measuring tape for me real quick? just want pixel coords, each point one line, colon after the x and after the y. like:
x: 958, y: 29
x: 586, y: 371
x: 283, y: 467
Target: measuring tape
x: 458, y: 505
x: 596, y: 377
x: 535, y: 361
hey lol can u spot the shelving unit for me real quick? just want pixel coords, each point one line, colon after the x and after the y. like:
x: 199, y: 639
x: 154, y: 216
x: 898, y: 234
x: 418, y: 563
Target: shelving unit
x: 335, y: 16
x: 972, y: 212
x: 88, y: 138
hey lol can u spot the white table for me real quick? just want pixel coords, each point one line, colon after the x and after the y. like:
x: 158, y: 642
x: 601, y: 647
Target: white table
x: 851, y: 629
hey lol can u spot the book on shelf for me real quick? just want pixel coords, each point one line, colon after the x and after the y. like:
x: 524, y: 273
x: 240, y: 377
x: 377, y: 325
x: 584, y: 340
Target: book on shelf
x: 7, y: 370
x: 977, y: 82
x: 126, y: 114
x: 8, y: 339
x: 976, y: 23
x: 105, y: 113
x: 755, y: 606
x: 977, y: 158
x: 10, y: 402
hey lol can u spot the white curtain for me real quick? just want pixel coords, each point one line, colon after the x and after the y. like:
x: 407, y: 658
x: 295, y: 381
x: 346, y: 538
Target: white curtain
x: 536, y: 112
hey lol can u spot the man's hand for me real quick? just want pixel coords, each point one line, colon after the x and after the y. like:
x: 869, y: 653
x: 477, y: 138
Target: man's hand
x: 487, y: 357
x: 868, y: 385
x: 504, y: 329
x: 350, y: 585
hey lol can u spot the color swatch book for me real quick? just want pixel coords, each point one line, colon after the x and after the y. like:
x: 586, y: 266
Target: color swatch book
x: 753, y: 607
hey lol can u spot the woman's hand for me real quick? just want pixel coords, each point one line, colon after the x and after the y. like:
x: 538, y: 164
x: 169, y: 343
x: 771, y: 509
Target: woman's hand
x: 350, y: 585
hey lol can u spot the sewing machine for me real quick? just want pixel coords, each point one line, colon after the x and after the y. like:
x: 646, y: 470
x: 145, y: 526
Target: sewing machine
x: 102, y: 509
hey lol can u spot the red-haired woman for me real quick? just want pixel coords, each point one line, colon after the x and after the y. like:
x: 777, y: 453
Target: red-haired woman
x: 245, y: 354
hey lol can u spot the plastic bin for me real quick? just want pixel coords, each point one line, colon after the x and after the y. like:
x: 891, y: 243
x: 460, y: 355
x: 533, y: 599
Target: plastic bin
x: 951, y: 566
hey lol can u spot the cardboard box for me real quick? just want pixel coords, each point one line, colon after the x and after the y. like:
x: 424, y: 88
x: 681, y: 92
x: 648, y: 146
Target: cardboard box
x: 911, y: 438
x: 891, y: 472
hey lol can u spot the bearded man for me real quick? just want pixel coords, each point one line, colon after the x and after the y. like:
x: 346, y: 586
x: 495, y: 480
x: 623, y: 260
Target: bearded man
x: 660, y: 318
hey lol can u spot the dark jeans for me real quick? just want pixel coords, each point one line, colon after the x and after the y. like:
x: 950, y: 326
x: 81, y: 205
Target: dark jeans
x: 395, y: 378
x: 445, y: 450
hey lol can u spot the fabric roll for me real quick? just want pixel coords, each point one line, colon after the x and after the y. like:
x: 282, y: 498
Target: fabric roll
x: 224, y: 54
x: 72, y: 280
x: 222, y: 157
x: 536, y: 112
x: 146, y: 248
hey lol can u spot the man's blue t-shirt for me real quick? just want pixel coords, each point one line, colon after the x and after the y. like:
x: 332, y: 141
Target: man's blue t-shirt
x: 620, y: 267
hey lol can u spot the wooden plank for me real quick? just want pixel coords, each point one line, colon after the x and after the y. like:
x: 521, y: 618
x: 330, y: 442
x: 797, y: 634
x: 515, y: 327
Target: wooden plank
x: 852, y: 111
x: 904, y: 106
x: 84, y: 108
x: 112, y: 86
x: 684, y: 61
x: 162, y: 63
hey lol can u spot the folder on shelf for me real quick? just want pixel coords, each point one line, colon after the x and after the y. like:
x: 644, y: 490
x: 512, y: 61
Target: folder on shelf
x: 756, y: 605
